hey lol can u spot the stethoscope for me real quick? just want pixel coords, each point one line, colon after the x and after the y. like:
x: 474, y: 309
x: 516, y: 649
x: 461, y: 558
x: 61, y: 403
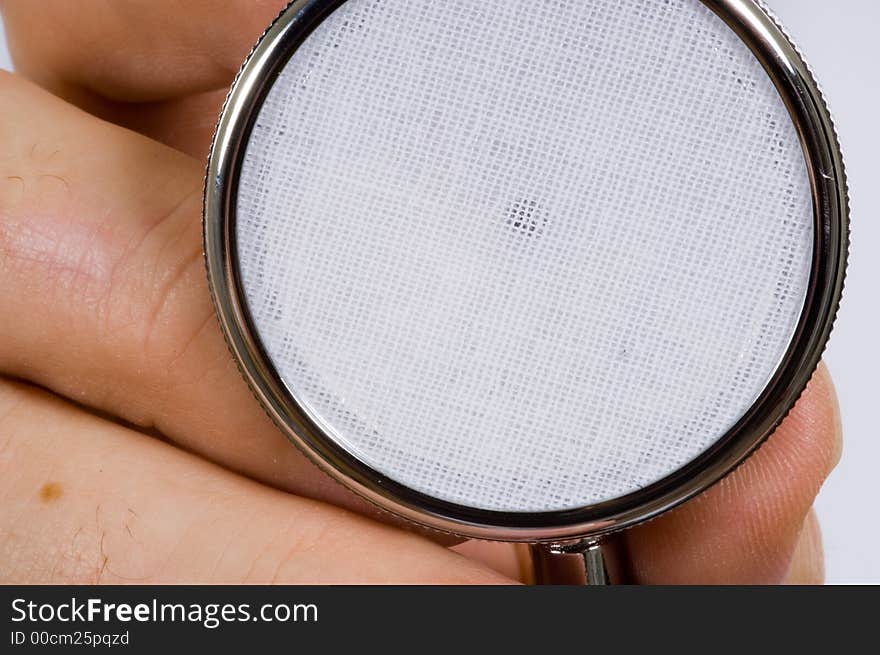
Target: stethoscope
x: 393, y: 302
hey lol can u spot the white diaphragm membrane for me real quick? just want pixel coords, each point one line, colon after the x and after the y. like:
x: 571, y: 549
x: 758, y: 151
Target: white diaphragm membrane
x: 524, y: 255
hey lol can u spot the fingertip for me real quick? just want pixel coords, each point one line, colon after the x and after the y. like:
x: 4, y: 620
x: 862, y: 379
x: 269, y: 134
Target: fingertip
x: 745, y: 529
x: 820, y: 407
x: 808, y: 562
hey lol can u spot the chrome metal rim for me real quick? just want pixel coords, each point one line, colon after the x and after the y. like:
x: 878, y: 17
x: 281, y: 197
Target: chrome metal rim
x: 808, y: 110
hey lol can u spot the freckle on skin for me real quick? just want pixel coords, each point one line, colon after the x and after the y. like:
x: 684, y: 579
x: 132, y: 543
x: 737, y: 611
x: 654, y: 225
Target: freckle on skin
x: 50, y: 491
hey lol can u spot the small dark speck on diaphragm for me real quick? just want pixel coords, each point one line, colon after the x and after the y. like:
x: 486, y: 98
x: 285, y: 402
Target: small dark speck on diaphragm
x: 525, y: 217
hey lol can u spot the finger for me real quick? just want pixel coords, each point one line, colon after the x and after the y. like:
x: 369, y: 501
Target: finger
x: 745, y: 529
x: 134, y: 51
x: 186, y: 123
x: 161, y: 68
x: 88, y: 501
x: 808, y: 562
x: 101, y: 268
x: 511, y: 560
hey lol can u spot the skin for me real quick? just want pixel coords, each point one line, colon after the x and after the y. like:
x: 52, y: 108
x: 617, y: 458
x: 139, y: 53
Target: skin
x: 131, y: 449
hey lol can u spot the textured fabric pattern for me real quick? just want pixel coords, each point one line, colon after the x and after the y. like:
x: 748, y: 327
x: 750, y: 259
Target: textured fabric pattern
x: 525, y: 255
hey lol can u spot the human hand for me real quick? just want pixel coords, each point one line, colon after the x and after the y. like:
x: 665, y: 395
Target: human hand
x: 110, y: 333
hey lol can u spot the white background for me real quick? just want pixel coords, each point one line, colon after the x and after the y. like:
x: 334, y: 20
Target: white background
x: 840, y: 41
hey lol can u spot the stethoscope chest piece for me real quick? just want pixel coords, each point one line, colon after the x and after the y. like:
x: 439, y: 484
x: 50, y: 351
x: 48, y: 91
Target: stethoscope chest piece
x: 523, y: 271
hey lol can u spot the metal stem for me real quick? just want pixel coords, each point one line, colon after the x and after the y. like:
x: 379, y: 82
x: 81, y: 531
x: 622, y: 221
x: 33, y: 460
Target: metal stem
x: 588, y: 562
